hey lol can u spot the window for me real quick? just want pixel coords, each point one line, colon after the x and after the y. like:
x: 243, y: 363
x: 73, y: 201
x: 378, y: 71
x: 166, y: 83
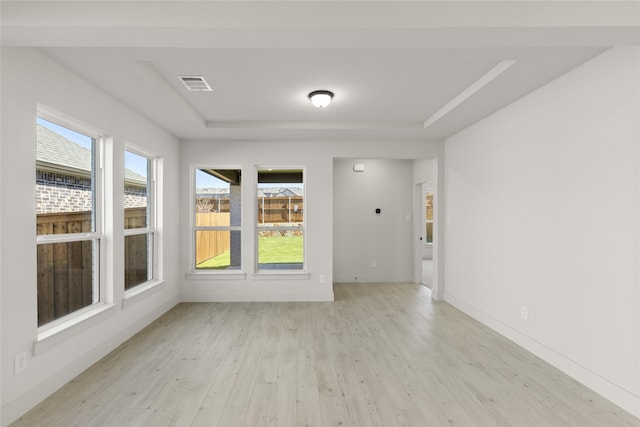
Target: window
x: 139, y: 223
x: 429, y: 218
x: 217, y: 219
x: 68, y: 226
x: 280, y: 227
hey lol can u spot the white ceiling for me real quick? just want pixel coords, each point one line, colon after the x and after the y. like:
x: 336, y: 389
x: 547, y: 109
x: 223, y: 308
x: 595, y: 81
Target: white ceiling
x: 391, y: 64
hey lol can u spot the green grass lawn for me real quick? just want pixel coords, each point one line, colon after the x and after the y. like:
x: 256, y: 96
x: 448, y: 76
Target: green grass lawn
x: 271, y: 250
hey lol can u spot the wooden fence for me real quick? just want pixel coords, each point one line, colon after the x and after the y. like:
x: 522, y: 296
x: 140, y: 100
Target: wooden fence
x: 211, y: 243
x: 278, y: 210
x: 136, y: 251
x: 215, y: 212
x: 65, y: 270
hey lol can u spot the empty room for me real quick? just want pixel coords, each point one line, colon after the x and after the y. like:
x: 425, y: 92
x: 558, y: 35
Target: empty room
x: 320, y: 213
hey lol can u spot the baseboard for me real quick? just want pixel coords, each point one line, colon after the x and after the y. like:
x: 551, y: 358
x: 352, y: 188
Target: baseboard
x: 370, y: 279
x: 217, y: 296
x: 17, y: 407
x: 610, y: 391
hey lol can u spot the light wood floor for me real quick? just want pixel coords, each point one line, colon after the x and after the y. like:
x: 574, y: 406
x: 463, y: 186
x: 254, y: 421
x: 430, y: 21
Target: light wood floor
x: 380, y: 355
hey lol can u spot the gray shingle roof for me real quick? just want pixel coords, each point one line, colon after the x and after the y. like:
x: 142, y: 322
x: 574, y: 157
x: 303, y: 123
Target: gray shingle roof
x: 54, y: 151
x: 134, y: 178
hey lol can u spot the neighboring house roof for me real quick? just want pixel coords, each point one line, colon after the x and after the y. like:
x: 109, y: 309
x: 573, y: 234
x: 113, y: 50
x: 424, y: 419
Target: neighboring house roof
x: 58, y: 152
x: 280, y: 192
x: 212, y: 191
x: 55, y: 153
x: 130, y: 177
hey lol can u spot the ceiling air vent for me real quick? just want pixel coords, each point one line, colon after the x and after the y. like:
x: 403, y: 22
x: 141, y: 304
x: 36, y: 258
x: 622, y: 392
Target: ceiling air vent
x: 195, y: 83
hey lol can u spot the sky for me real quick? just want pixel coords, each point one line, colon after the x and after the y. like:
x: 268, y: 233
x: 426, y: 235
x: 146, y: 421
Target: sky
x: 136, y: 163
x: 204, y: 180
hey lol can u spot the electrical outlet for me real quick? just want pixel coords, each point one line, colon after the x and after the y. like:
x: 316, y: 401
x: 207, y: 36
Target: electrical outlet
x: 524, y: 313
x: 374, y: 264
x: 20, y: 362
x: 323, y: 278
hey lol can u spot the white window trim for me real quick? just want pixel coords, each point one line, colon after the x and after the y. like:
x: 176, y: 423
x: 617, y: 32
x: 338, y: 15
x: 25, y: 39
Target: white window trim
x: 204, y: 274
x: 141, y: 291
x: 60, y: 330
x: 284, y: 273
x: 57, y: 327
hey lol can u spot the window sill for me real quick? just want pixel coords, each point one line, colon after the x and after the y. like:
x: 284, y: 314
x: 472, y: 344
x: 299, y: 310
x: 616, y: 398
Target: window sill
x: 215, y: 275
x: 136, y: 293
x: 280, y: 275
x: 54, y: 335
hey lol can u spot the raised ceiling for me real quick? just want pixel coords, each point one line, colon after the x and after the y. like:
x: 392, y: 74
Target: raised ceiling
x: 394, y: 66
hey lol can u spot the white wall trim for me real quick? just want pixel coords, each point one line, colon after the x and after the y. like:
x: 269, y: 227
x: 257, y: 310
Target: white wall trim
x: 363, y: 278
x: 264, y: 296
x: 619, y: 396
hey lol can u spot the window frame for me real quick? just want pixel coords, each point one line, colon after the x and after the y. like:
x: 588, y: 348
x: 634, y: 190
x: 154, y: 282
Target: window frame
x: 258, y: 228
x: 151, y: 229
x: 96, y: 237
x: 194, y: 272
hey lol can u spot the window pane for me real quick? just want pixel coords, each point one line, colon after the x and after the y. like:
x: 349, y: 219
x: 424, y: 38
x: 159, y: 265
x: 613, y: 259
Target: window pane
x: 280, y: 203
x: 280, y: 217
x: 136, y: 259
x: 218, y: 196
x: 64, y: 180
x: 65, y: 279
x: 280, y: 249
x: 218, y: 249
x: 136, y: 187
x: 429, y: 232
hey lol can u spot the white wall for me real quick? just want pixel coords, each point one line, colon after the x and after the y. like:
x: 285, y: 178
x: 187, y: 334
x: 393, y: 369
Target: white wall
x: 318, y: 160
x: 361, y: 236
x: 28, y: 79
x: 543, y: 212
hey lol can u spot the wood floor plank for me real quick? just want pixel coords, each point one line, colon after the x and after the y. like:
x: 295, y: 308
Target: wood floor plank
x: 307, y: 395
x: 381, y: 354
x: 262, y: 409
x: 287, y: 394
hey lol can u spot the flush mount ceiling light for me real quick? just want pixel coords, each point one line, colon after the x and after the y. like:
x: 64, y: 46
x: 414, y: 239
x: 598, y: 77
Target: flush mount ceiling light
x: 320, y: 98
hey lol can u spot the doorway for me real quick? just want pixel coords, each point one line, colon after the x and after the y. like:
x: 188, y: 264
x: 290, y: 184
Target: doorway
x: 426, y: 236
x: 427, y: 265
x: 427, y: 198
